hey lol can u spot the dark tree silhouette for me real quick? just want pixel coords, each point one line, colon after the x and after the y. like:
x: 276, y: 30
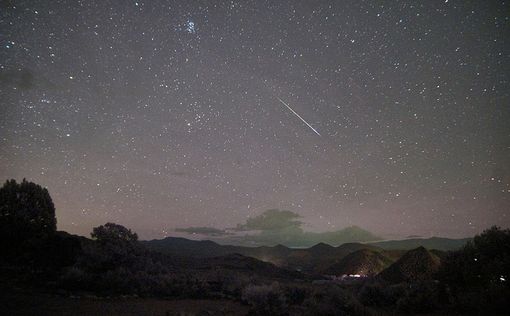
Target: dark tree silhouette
x: 111, y: 233
x: 477, y: 275
x: 483, y: 261
x: 116, y: 246
x: 113, y: 262
x: 27, y: 219
x: 26, y: 210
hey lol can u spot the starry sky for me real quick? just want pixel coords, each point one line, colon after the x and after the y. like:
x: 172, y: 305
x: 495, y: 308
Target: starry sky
x: 164, y: 114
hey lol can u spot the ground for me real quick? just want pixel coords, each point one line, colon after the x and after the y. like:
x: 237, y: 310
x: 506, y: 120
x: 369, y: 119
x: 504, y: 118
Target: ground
x: 30, y: 303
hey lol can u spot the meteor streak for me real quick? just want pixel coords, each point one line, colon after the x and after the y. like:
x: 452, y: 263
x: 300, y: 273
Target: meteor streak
x: 302, y: 119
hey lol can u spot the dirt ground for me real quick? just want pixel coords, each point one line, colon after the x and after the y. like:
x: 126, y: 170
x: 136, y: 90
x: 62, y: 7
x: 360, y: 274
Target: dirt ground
x: 17, y: 303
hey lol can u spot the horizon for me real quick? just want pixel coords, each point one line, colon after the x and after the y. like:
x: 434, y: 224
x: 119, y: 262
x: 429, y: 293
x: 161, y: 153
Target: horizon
x: 224, y: 241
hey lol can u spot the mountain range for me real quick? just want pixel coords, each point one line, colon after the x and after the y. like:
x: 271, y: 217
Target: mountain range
x: 322, y: 258
x: 294, y: 236
x: 439, y: 243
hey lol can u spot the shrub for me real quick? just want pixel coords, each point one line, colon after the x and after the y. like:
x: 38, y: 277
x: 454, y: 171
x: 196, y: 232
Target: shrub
x: 421, y: 297
x: 296, y: 294
x: 376, y: 294
x: 265, y: 299
x: 333, y: 300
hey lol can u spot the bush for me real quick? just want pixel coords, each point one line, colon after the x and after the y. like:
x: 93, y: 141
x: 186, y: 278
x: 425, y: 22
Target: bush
x: 421, y: 297
x: 333, y: 300
x: 265, y: 299
x: 376, y: 294
x: 296, y: 294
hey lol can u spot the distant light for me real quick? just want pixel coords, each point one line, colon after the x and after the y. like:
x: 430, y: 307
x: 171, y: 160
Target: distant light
x: 502, y: 279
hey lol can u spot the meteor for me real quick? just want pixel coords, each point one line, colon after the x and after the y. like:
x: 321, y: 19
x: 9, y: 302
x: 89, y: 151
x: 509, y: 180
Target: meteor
x: 302, y: 119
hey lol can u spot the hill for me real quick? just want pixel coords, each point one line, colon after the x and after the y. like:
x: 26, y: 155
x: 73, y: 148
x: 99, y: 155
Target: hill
x: 312, y: 260
x: 182, y: 247
x: 362, y: 262
x: 247, y: 265
x: 414, y: 265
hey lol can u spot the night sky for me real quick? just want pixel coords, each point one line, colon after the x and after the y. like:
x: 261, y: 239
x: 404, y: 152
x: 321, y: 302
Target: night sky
x: 157, y: 115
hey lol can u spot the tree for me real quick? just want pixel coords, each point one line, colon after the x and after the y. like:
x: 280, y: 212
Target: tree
x: 116, y: 246
x: 478, y: 274
x: 111, y: 233
x: 111, y: 263
x: 26, y: 211
x: 483, y: 261
x: 27, y: 220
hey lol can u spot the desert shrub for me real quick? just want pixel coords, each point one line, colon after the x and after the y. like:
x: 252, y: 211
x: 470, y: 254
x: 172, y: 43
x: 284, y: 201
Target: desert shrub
x: 420, y: 297
x: 378, y: 295
x: 333, y: 300
x: 195, y: 287
x: 231, y: 283
x: 296, y: 294
x: 74, y: 278
x: 490, y: 300
x: 265, y: 299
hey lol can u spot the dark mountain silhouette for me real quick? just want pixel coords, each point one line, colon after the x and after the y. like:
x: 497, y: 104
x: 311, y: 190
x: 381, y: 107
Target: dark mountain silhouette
x: 414, y: 265
x: 183, y: 247
x: 321, y: 256
x: 320, y: 248
x: 352, y: 234
x: 362, y: 262
x: 313, y: 259
x: 439, y: 243
x: 247, y: 265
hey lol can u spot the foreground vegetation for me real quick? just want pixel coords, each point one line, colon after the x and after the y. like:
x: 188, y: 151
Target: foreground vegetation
x: 113, y: 271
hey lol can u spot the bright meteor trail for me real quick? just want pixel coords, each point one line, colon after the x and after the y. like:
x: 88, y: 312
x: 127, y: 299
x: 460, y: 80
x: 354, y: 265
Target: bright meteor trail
x: 302, y: 119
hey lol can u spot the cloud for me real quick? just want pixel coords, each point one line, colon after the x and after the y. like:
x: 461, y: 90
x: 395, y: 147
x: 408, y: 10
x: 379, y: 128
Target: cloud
x: 207, y: 231
x: 276, y: 226
x: 272, y: 220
